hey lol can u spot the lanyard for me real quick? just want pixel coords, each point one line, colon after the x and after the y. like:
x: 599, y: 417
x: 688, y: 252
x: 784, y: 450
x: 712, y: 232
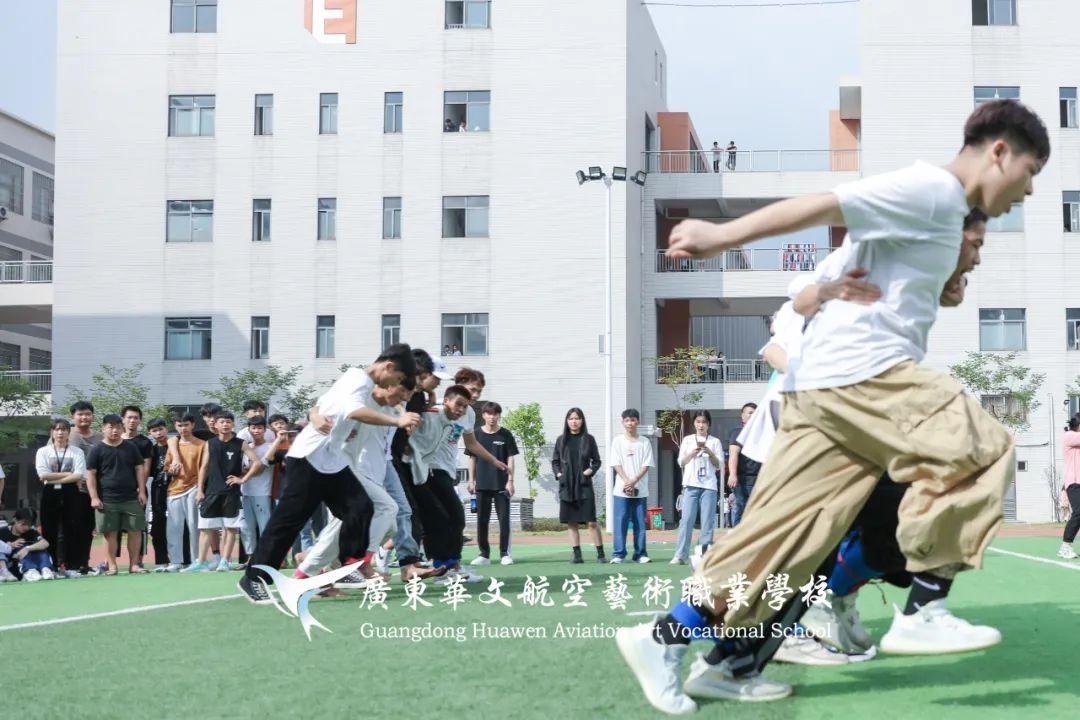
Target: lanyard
x: 59, y: 463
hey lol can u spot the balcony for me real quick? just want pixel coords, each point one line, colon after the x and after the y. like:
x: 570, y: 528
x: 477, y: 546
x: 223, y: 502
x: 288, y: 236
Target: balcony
x: 26, y: 292
x: 718, y: 371
x: 749, y: 161
x: 790, y: 258
x: 39, y: 380
x: 37, y: 271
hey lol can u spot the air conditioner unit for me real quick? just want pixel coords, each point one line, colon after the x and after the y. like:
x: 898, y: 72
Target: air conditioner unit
x: 3, y: 212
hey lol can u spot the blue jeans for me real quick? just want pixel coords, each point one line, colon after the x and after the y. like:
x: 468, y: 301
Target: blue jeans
x: 36, y: 560
x: 630, y: 511
x: 742, y: 496
x: 404, y: 544
x: 695, y: 501
x: 256, y: 515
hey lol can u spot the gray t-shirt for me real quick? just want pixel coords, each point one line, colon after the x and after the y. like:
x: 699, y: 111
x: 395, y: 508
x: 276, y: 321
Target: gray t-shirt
x: 85, y: 444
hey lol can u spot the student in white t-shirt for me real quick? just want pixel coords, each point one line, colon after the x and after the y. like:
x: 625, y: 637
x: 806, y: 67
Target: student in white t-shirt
x: 255, y: 493
x: 857, y: 401
x: 631, y: 456
x: 700, y: 457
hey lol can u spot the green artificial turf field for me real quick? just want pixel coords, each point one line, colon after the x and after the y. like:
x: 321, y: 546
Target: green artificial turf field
x: 228, y: 658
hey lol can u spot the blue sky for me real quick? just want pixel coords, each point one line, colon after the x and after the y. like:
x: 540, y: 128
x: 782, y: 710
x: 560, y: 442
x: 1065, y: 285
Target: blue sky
x: 764, y: 76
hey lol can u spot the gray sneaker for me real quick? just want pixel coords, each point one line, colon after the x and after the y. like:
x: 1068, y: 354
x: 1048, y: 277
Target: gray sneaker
x: 657, y: 668
x: 719, y: 683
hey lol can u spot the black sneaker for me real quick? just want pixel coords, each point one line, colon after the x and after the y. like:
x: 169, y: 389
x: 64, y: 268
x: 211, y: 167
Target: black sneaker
x: 577, y: 559
x: 255, y: 590
x: 352, y: 581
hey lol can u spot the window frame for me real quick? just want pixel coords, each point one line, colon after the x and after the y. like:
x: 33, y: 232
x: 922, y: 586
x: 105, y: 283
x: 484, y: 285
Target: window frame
x: 464, y: 6
x: 983, y: 14
x: 7, y: 350
x: 191, y: 332
x: 1009, y: 405
x: 470, y: 104
x: 392, y: 217
x: 393, y: 112
x: 42, y: 186
x: 1072, y: 328
x: 260, y: 337
x: 1003, y: 322
x: 330, y: 213
x: 997, y: 93
x: 393, y: 327
x: 325, y: 336
x: 194, y: 5
x: 328, y: 114
x: 18, y: 189
x: 447, y: 324
x: 38, y: 361
x: 1070, y: 207
x: 203, y: 113
x: 261, y: 219
x: 465, y: 208
x: 192, y: 213
x: 264, y: 115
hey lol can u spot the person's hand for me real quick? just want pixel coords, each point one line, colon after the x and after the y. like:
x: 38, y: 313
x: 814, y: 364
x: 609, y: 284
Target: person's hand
x: 81, y: 485
x: 850, y: 287
x: 693, y: 239
x: 587, y: 473
x: 17, y: 543
x: 471, y: 487
x: 233, y: 480
x: 21, y: 554
x: 199, y: 496
x: 503, y: 467
x: 175, y: 469
x: 952, y: 295
x: 732, y: 481
x: 322, y: 424
x: 96, y: 503
x: 408, y: 421
x: 510, y: 489
x: 628, y: 487
x: 142, y: 498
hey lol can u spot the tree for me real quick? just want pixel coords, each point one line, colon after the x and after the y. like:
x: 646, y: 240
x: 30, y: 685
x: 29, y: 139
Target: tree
x: 684, y: 366
x: 21, y: 409
x: 1006, y: 388
x: 527, y: 425
x: 111, y: 388
x: 276, y: 387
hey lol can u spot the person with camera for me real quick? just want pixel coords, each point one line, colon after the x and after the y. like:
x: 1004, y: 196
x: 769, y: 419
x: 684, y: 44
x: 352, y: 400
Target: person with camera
x: 699, y: 458
x: 631, y: 456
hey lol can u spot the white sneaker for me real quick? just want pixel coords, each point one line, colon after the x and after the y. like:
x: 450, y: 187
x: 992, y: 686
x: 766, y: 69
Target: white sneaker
x: 838, y: 627
x: 696, y: 557
x: 808, y: 651
x: 47, y: 574
x: 616, y: 560
x: 72, y: 574
x: 506, y: 560
x: 1067, y: 552
x: 656, y: 667
x: 6, y: 576
x: 933, y: 630
x: 381, y: 561
x: 480, y: 560
x: 173, y: 567
x: 718, y: 682
x: 677, y: 561
x: 31, y: 576
x: 471, y: 577
x: 644, y: 560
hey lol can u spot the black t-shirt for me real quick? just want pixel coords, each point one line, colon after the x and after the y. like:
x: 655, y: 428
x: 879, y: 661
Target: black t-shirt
x: 8, y: 535
x: 501, y: 444
x: 145, y: 445
x: 418, y: 404
x: 748, y: 469
x: 116, y: 471
x: 157, y: 459
x: 226, y: 458
x: 204, y: 435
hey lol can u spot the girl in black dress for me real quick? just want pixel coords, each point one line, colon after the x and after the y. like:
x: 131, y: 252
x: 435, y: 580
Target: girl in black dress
x: 575, y: 463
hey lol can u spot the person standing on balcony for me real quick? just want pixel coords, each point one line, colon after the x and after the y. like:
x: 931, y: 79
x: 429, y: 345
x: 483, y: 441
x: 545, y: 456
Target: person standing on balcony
x: 742, y: 471
x: 717, y: 152
x: 732, y: 154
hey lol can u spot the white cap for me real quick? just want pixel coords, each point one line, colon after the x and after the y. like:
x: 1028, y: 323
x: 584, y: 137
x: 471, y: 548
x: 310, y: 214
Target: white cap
x: 440, y: 370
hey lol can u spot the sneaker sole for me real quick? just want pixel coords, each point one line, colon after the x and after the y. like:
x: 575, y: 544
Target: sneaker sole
x: 253, y: 601
x: 626, y: 647
x: 801, y: 659
x: 710, y: 692
x: 350, y: 585
x: 893, y: 648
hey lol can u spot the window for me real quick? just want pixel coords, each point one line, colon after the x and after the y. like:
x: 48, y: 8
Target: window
x: 393, y: 111
x: 42, y: 207
x: 191, y: 115
x: 328, y: 114
x: 260, y: 337
x: 190, y: 221
x: 391, y: 330
x: 993, y: 12
x: 1012, y: 221
x: 473, y: 108
x: 40, y: 360
x: 391, y: 218
x: 1070, y: 206
x: 656, y: 67
x: 1021, y: 466
x: 194, y: 16
x: 986, y: 94
x: 188, y: 338
x: 1072, y: 328
x: 1067, y: 106
x: 10, y: 254
x: 327, y: 218
x: 10, y: 356
x: 264, y: 114
x: 260, y: 221
x: 1003, y: 406
x: 468, y: 331
x: 1074, y: 405
x: 1002, y: 328
x: 324, y: 336
x: 471, y: 14
x: 11, y: 186
x: 465, y: 216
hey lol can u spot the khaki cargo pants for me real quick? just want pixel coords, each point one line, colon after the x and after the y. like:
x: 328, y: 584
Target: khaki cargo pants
x: 832, y: 446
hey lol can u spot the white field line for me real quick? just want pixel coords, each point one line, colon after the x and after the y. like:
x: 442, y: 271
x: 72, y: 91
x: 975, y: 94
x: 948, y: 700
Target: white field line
x: 114, y: 613
x: 1035, y: 558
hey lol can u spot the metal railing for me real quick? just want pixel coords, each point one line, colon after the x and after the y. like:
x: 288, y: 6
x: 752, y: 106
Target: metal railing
x: 718, y: 371
x: 725, y: 161
x: 774, y: 259
x: 40, y: 380
x: 33, y: 271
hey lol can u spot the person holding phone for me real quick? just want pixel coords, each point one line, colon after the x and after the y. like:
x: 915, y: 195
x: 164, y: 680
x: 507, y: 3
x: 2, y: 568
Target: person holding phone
x: 699, y: 458
x: 631, y: 457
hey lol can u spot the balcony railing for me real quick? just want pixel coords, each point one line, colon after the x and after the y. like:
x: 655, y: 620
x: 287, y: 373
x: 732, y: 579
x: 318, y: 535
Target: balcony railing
x: 719, y: 371
x: 785, y: 259
x: 35, y: 271
x: 40, y: 380
x: 738, y: 161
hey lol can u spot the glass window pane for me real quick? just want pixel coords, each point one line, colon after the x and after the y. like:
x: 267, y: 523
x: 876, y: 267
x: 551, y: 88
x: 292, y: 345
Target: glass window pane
x: 476, y: 222
x: 476, y: 14
x: 394, y: 97
x: 1014, y: 314
x: 453, y: 223
x: 459, y: 201
x: 178, y: 228
x: 480, y: 96
x: 476, y: 340
x: 455, y: 97
x: 1014, y: 336
x: 479, y: 116
x: 991, y: 336
x: 206, y: 122
x: 327, y: 203
x: 453, y: 319
x: 206, y: 19
x: 183, y: 19
x: 202, y: 228
x: 1068, y: 92
x: 989, y: 314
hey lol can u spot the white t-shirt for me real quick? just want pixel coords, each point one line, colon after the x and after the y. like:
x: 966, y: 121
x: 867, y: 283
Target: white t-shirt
x: 906, y: 228
x: 633, y: 454
x: 245, y: 435
x: 50, y: 460
x: 700, y: 472
x: 326, y: 452
x: 259, y: 485
x: 449, y: 432
x: 367, y: 450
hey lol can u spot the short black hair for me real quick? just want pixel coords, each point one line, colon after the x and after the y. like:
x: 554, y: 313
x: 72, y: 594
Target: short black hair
x: 59, y: 422
x: 491, y: 407
x: 702, y: 414
x: 424, y: 363
x: 131, y: 408
x: 457, y: 390
x: 210, y: 408
x: 112, y: 419
x: 409, y: 383
x: 254, y: 405
x: 224, y: 415
x: 748, y: 405
x: 401, y: 355
x: 25, y: 513
x: 185, y: 418
x: 257, y: 421
x: 1011, y: 121
x: 275, y: 417
x: 631, y: 413
x: 467, y: 375
x: 81, y: 405
x: 974, y: 217
x: 156, y: 422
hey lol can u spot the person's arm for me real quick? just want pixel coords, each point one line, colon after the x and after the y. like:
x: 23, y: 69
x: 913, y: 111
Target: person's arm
x: 850, y: 287
x: 204, y: 466
x: 473, y: 445
x: 92, y: 488
x: 615, y: 463
x: 702, y: 239
x: 713, y: 457
x: 172, y: 457
x: 254, y: 468
x: 733, y: 464
x: 41, y: 464
x: 142, y: 470
x: 689, y: 453
x: 368, y: 416
x: 594, y: 458
x: 1071, y: 439
x: 776, y: 357
x: 556, y: 461
x: 510, y: 476
x: 472, y: 475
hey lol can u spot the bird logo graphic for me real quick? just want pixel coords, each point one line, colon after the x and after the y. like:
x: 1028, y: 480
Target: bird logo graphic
x: 294, y: 594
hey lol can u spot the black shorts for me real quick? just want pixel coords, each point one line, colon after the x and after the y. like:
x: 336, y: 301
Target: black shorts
x: 220, y: 505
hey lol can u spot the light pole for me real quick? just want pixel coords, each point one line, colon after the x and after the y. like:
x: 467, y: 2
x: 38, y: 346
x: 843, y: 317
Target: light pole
x: 617, y: 174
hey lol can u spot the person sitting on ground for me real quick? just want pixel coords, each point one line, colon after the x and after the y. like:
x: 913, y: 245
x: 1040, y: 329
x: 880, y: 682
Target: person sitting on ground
x: 29, y: 551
